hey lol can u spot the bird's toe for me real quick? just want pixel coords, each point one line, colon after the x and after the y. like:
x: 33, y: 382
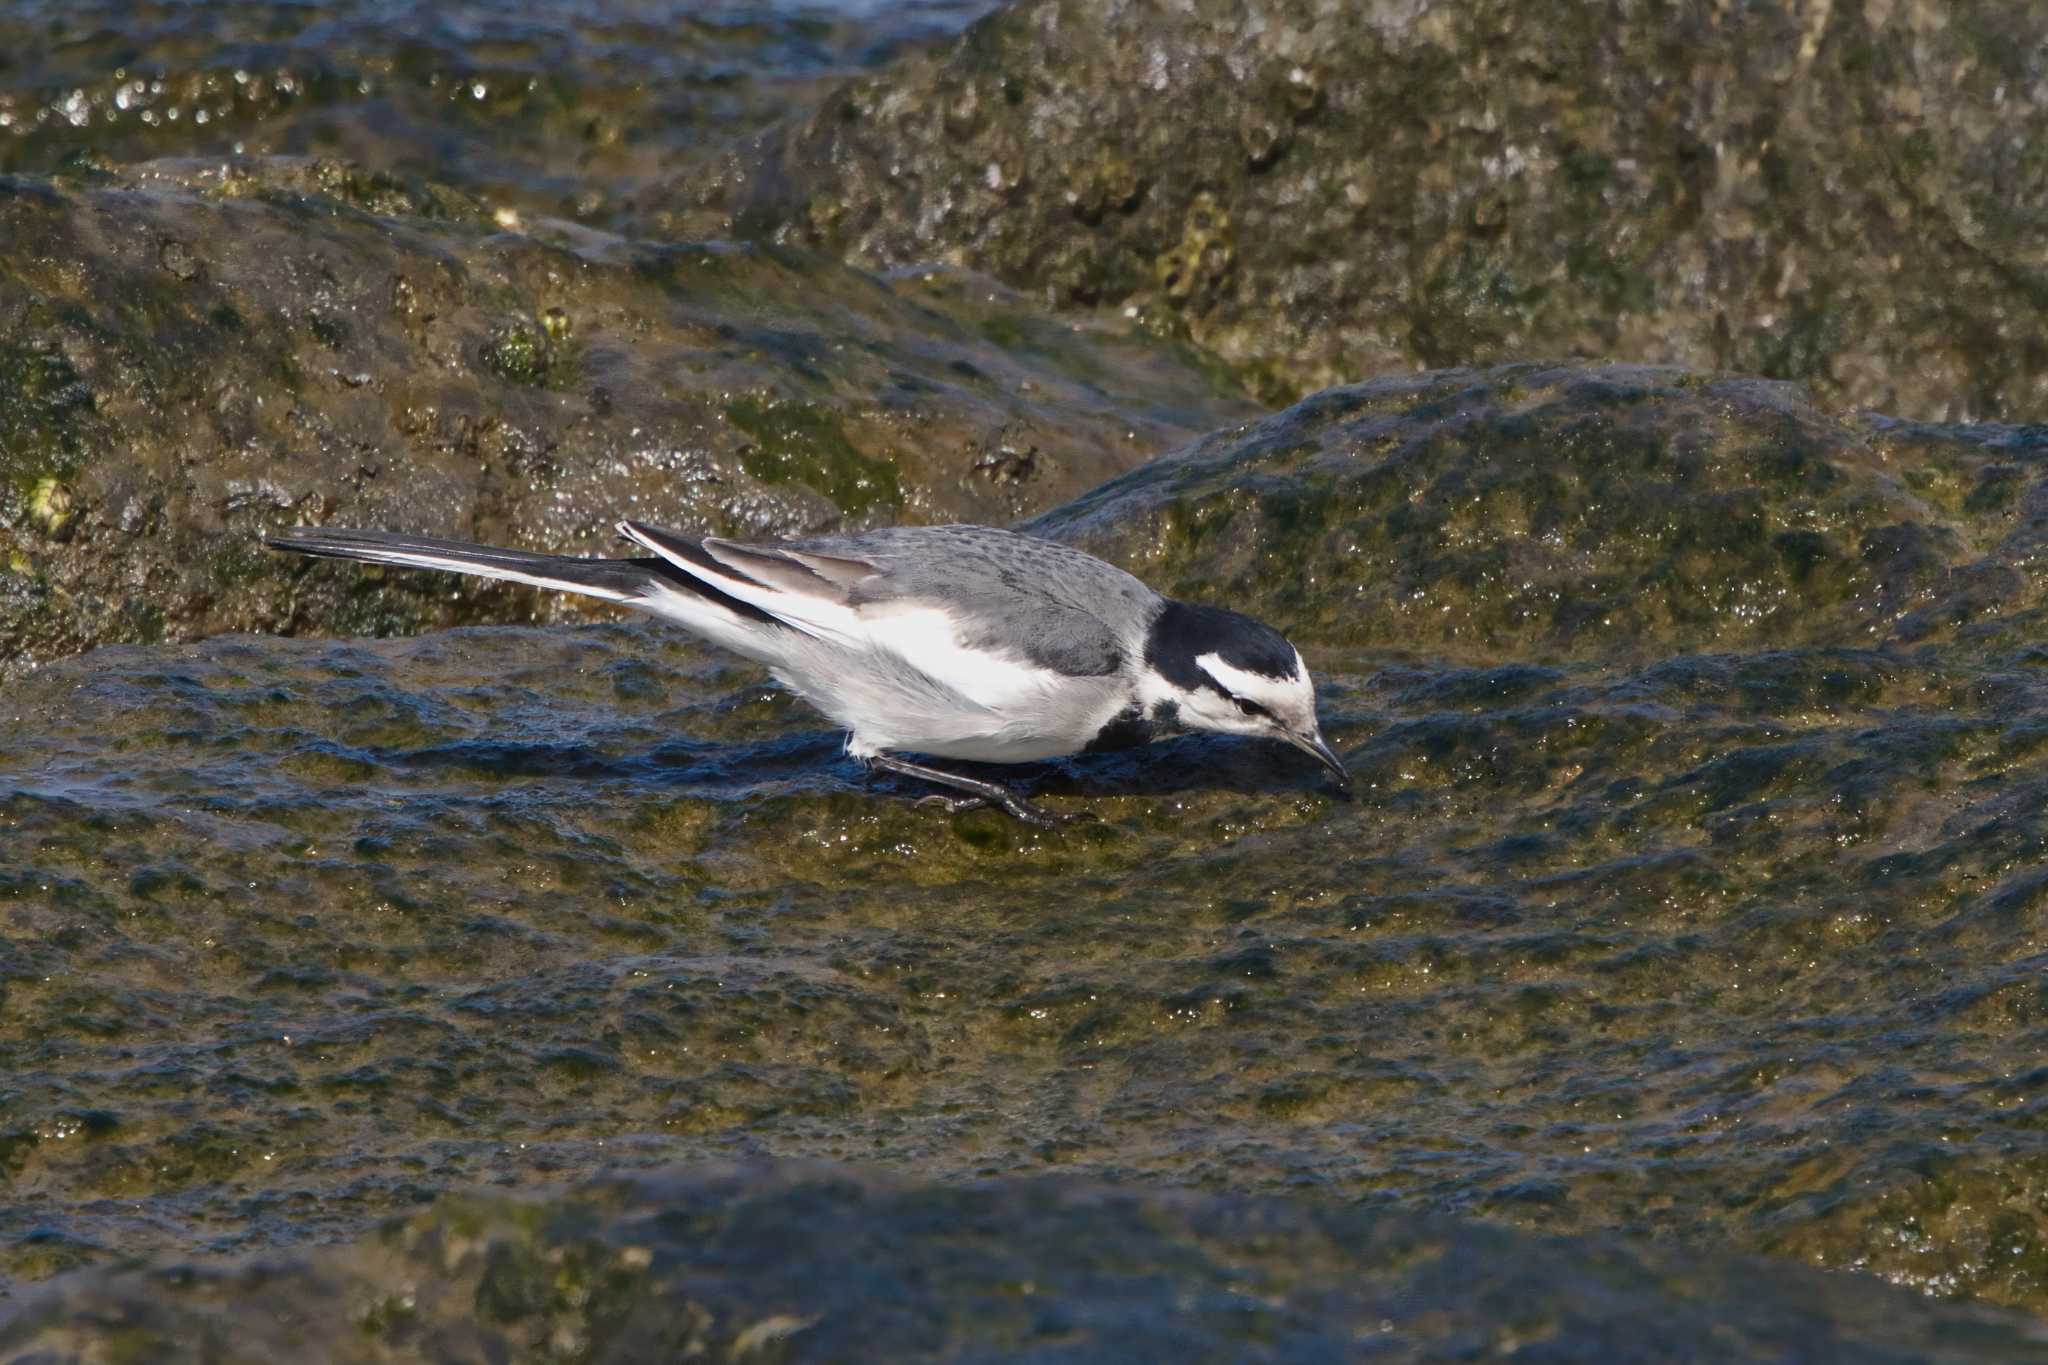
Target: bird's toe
x: 952, y: 805
x: 1033, y: 814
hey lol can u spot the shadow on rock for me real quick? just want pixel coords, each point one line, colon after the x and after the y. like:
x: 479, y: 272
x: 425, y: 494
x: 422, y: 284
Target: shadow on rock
x: 807, y: 1262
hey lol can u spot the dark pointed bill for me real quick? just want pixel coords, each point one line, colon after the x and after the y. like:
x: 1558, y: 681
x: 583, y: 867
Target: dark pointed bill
x: 1323, y: 754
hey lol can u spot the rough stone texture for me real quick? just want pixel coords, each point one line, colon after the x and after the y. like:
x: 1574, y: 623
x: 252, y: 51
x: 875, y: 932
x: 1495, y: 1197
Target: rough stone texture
x: 1535, y: 513
x: 195, y: 350
x: 804, y: 1262
x: 1848, y: 195
x: 1734, y: 950
x: 1693, y: 882
x: 565, y: 109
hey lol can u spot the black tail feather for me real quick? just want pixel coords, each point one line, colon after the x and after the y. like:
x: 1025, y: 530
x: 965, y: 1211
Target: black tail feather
x: 619, y: 580
x: 614, y: 578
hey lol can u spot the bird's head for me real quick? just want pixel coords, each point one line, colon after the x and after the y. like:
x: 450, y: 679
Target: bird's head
x: 1211, y: 669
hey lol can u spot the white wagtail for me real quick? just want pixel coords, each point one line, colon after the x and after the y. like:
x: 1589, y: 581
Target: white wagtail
x: 962, y: 642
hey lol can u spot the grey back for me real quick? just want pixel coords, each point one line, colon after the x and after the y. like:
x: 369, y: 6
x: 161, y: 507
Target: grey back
x: 1056, y: 606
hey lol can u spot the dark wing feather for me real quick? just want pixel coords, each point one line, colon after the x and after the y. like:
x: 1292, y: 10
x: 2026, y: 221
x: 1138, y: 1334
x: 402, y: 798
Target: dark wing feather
x: 807, y: 575
x: 1008, y: 593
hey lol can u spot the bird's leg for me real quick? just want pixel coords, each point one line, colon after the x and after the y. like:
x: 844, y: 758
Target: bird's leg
x: 984, y: 793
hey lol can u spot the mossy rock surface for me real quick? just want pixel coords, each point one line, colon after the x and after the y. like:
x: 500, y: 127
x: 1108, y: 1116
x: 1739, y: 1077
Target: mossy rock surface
x: 1844, y: 195
x: 1533, y: 513
x: 573, y: 111
x: 1735, y: 950
x: 804, y: 1261
x: 1691, y: 887
x: 194, y: 351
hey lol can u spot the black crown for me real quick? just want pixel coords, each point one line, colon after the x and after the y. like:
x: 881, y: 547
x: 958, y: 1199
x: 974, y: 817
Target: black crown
x: 1182, y: 632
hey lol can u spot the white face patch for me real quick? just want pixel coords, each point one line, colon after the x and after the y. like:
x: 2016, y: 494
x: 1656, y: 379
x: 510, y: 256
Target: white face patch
x: 1275, y: 694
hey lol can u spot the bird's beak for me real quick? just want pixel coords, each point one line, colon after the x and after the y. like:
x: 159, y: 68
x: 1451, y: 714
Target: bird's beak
x: 1312, y: 744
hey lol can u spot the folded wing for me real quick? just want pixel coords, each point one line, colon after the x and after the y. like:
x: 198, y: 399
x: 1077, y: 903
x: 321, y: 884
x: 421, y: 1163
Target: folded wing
x: 942, y: 597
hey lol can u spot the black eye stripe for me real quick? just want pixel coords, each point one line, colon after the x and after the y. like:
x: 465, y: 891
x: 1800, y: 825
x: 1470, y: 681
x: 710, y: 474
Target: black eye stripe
x: 1249, y: 708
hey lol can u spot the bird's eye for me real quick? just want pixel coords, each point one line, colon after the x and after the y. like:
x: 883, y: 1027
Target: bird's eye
x: 1251, y: 708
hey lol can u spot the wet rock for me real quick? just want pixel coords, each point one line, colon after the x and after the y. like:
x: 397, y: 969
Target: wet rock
x: 1691, y: 886
x: 1735, y: 950
x: 1533, y: 513
x: 573, y: 111
x: 1840, y: 195
x: 803, y: 1261
x: 191, y: 351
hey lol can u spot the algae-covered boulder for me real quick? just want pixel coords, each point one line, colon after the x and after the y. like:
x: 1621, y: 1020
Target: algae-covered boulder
x: 1691, y: 882
x: 1735, y: 950
x: 192, y: 351
x: 810, y: 1262
x: 1845, y: 195
x: 562, y: 109
x: 1544, y: 512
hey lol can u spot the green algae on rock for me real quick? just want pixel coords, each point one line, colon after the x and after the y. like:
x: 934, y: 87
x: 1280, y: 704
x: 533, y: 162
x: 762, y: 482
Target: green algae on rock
x: 798, y: 1261
x: 1535, y: 512
x: 1735, y: 950
x: 1844, y: 195
x: 573, y: 110
x: 192, y: 351
x: 1693, y: 884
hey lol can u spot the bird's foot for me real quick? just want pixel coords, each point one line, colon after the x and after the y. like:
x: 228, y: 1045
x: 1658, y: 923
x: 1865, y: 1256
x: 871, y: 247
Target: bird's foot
x: 984, y: 794
x: 1032, y: 813
x: 952, y: 805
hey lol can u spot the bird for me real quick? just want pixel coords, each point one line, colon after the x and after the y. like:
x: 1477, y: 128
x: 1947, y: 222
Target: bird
x: 969, y: 643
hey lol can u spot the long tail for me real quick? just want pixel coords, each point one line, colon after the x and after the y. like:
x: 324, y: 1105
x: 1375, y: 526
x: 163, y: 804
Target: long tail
x: 653, y: 584
x: 615, y: 580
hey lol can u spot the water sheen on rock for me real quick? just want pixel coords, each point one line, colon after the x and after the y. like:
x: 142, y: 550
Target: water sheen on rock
x: 402, y: 999
x: 803, y: 1261
x: 1736, y: 948
x: 574, y: 109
